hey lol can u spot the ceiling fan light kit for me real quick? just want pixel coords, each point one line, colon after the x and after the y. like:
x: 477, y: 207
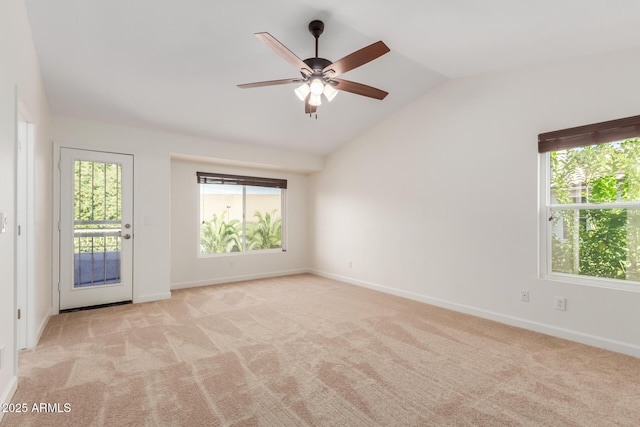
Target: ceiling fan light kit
x: 318, y: 74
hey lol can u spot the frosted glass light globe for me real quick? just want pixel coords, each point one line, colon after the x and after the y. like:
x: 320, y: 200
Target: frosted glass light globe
x: 330, y: 92
x: 315, y: 100
x: 316, y: 86
x: 302, y: 91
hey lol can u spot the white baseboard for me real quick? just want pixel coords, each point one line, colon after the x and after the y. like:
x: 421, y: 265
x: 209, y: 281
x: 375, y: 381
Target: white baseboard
x: 592, y: 340
x: 151, y: 297
x: 8, y: 393
x: 230, y: 279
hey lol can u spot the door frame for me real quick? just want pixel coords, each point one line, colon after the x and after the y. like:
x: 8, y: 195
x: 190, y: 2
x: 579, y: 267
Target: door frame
x: 25, y: 228
x: 26, y: 332
x: 56, y: 217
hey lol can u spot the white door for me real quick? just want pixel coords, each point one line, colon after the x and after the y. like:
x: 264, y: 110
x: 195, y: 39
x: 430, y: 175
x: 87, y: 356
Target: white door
x: 96, y: 228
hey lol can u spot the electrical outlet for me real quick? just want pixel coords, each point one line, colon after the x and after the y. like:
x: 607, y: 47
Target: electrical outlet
x: 560, y: 303
x: 524, y: 296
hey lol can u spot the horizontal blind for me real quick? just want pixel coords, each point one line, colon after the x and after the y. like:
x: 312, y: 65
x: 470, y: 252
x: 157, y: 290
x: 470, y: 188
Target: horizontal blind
x: 597, y: 133
x: 218, y: 178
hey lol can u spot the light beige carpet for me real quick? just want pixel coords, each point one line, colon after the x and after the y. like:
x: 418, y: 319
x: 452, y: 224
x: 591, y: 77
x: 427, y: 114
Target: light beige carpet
x: 303, y: 350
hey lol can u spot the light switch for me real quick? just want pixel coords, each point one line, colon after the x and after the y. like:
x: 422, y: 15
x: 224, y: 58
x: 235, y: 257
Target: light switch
x: 3, y: 222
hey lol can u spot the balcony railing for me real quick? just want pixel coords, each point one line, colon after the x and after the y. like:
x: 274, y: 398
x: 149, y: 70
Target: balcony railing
x: 96, y: 253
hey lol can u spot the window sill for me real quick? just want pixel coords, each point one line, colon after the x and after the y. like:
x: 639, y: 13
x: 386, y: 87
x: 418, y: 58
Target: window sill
x: 623, y: 285
x: 245, y: 253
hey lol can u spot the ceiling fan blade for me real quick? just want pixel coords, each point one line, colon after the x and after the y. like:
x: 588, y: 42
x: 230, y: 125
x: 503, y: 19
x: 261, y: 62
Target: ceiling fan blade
x: 308, y: 108
x: 269, y: 83
x: 282, y: 50
x: 357, y: 58
x: 359, y: 89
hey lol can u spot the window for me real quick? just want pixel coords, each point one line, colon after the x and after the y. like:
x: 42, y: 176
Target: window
x: 592, y: 199
x: 241, y: 213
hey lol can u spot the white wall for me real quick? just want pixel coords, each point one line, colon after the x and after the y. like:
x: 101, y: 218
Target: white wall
x: 440, y: 201
x: 19, y: 68
x: 152, y: 187
x: 188, y: 269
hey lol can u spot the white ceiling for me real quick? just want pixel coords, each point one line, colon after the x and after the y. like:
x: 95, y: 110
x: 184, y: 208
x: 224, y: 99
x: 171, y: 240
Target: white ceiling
x: 174, y: 65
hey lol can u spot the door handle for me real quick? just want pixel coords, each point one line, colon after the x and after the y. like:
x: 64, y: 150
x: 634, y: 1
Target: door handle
x: 127, y: 236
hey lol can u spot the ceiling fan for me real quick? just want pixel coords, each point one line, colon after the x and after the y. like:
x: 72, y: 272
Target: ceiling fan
x: 319, y: 74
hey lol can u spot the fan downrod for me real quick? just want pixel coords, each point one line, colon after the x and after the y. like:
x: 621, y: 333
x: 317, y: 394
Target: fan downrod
x: 316, y: 28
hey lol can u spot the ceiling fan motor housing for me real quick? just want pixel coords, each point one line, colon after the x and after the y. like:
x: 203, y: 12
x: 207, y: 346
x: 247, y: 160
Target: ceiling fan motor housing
x: 317, y: 64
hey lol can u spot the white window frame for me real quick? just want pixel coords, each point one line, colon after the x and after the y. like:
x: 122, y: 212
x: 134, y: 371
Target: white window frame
x: 244, y: 251
x: 546, y: 236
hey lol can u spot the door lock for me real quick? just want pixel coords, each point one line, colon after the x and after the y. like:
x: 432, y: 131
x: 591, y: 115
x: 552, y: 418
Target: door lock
x: 127, y: 236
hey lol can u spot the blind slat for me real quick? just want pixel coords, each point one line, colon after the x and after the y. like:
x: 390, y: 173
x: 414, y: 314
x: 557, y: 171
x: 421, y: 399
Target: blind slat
x: 597, y: 133
x: 218, y: 178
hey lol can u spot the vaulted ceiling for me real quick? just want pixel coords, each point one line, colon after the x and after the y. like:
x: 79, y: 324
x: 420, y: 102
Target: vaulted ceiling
x: 174, y: 65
